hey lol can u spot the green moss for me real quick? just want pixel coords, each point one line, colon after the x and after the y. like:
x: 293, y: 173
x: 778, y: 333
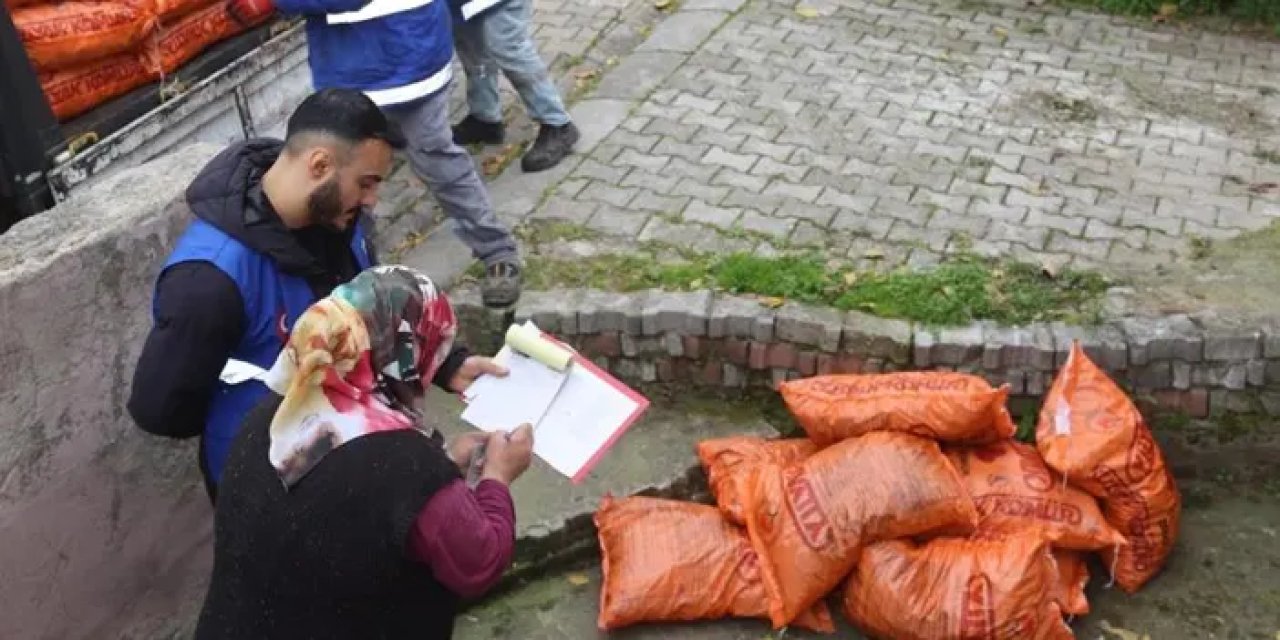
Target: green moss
x: 1234, y: 426
x: 960, y: 290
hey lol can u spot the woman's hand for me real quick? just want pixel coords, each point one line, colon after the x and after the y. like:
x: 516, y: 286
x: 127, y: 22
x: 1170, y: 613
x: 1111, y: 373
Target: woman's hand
x: 508, y: 454
x: 474, y: 367
x: 461, y: 447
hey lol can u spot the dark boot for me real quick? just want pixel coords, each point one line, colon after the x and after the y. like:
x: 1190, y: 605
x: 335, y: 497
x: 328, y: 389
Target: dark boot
x: 501, y: 285
x: 473, y: 130
x: 553, y: 145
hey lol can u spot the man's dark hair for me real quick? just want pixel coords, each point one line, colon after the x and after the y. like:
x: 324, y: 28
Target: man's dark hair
x: 344, y: 114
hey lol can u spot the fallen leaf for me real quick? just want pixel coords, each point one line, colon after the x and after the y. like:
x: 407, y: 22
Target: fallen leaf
x: 806, y: 11
x: 578, y: 579
x: 1001, y: 32
x: 493, y: 165
x: 661, y: 4
x: 611, y: 61
x: 1051, y: 267
x: 873, y: 254
x: 1122, y: 634
x: 586, y: 74
x: 772, y: 302
x: 850, y: 277
x: 696, y: 284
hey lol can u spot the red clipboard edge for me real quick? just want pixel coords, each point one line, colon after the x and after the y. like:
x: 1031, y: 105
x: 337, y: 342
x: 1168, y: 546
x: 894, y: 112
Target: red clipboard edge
x: 642, y: 405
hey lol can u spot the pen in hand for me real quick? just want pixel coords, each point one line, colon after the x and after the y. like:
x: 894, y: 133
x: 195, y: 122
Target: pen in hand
x: 475, y: 466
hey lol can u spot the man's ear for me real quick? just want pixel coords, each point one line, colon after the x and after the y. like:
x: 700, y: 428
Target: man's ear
x: 320, y: 163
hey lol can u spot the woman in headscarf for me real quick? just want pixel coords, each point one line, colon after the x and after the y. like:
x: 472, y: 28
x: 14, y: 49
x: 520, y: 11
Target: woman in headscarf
x: 340, y: 514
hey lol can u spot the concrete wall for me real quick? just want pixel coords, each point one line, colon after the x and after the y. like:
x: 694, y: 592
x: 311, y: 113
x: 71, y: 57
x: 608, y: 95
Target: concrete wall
x: 105, y: 531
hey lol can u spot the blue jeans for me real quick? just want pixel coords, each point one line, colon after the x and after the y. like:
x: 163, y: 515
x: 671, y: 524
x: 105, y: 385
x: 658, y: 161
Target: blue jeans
x: 499, y: 40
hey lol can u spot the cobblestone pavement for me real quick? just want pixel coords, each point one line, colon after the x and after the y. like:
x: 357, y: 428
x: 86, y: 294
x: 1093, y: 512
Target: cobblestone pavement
x: 896, y: 131
x: 578, y: 39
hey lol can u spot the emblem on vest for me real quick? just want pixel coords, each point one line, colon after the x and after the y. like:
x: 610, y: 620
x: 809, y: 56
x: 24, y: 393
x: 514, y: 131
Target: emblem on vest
x: 282, y: 329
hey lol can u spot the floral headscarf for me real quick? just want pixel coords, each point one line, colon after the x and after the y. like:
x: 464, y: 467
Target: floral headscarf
x: 349, y: 361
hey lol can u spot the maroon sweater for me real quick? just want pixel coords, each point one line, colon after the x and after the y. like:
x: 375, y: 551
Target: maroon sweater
x: 466, y: 537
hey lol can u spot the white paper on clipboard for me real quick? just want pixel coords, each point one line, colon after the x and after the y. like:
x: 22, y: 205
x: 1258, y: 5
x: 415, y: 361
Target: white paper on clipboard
x: 522, y: 396
x: 576, y: 414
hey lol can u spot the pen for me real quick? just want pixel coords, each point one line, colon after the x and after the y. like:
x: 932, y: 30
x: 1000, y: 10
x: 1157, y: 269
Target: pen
x: 476, y: 464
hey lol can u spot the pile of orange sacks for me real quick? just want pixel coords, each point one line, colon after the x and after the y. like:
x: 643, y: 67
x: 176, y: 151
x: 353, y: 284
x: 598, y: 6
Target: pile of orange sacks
x: 88, y: 52
x: 911, y: 500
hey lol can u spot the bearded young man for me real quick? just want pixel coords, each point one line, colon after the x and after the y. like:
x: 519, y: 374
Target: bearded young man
x: 278, y: 225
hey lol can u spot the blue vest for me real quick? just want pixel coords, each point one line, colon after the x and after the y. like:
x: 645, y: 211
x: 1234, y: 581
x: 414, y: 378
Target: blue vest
x: 273, y: 301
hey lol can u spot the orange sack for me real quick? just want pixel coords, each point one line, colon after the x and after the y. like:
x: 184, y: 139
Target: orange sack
x: 1014, y: 490
x: 1091, y: 432
x: 191, y: 35
x: 75, y: 91
x: 728, y: 460
x: 667, y: 560
x: 171, y: 10
x: 67, y: 34
x: 1073, y: 575
x: 997, y: 589
x: 809, y: 520
x: 14, y: 4
x: 944, y: 406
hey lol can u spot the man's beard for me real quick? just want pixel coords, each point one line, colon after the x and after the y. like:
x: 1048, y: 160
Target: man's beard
x: 324, y: 206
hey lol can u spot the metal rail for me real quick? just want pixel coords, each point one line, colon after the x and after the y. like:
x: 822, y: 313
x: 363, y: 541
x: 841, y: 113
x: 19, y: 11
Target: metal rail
x: 42, y: 161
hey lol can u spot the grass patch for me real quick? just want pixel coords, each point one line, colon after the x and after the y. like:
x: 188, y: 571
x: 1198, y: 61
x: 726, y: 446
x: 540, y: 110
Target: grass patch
x: 1269, y: 156
x: 1027, y: 427
x: 958, y: 291
x: 538, y: 232
x: 1258, y: 13
x: 1069, y: 109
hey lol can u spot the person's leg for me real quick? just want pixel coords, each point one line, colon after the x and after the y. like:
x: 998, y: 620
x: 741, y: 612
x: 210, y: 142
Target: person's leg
x: 483, y: 124
x: 509, y: 44
x: 450, y: 174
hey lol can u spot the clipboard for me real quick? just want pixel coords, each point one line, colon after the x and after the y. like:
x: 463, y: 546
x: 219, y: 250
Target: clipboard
x: 578, y: 410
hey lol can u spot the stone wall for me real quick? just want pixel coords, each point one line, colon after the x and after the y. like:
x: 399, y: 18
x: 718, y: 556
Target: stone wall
x: 1196, y: 365
x: 104, y: 531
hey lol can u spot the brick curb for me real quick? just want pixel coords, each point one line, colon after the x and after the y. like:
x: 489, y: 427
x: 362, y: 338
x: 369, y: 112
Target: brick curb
x: 1198, y: 364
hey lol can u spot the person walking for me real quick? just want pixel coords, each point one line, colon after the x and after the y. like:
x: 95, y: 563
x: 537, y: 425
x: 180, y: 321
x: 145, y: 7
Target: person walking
x: 399, y: 53
x: 342, y: 515
x: 493, y: 36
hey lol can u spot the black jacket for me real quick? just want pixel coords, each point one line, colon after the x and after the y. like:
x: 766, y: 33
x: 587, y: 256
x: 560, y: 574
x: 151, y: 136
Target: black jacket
x: 199, y: 316
x: 327, y: 558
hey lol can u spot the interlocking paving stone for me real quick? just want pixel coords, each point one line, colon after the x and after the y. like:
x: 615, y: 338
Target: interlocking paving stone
x: 961, y: 124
